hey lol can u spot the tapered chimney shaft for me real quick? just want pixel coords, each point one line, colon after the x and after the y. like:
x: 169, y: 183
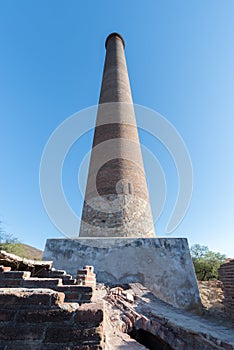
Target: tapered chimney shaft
x: 116, y: 200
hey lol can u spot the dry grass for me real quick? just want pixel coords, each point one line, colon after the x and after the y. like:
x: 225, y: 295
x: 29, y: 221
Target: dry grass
x: 22, y: 250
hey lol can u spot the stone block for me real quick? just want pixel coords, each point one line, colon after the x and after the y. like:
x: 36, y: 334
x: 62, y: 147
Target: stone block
x: 163, y: 265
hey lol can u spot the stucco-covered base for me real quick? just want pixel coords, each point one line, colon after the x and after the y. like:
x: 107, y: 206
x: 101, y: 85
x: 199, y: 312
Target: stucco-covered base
x: 163, y: 265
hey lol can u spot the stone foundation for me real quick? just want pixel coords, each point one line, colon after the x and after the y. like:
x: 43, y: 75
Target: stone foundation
x: 163, y: 265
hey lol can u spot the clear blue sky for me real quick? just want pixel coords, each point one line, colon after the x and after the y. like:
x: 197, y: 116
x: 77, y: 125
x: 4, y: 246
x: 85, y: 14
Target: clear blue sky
x: 180, y: 57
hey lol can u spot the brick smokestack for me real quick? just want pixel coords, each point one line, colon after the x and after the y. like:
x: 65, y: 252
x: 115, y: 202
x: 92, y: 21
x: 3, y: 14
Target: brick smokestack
x: 116, y: 200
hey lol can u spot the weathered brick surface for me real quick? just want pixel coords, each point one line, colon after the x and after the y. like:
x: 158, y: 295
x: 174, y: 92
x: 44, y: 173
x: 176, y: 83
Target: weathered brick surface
x: 226, y: 276
x: 41, y: 316
x: 52, y: 274
x: 15, y: 346
x: 177, y: 329
x: 11, y: 332
x: 59, y: 274
x: 86, y: 277
x: 7, y: 315
x: 42, y: 283
x: 67, y: 334
x: 9, y: 298
x: 69, y: 282
x: 76, y: 293
x: 58, y: 280
x: 14, y: 274
x: 4, y: 268
x: 82, y: 289
x: 77, y: 297
x: 88, y: 347
x: 123, y: 171
x: 37, y: 319
x: 8, y: 282
x: 90, y: 313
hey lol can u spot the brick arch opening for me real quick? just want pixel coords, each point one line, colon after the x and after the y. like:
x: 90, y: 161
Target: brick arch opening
x: 149, y: 340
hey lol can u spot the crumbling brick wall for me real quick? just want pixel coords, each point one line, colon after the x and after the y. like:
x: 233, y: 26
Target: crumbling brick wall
x: 226, y: 276
x: 38, y: 319
x: 86, y: 277
x: 57, y: 280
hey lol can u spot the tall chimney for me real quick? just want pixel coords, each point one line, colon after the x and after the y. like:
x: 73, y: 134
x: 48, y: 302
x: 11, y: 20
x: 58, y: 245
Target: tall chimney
x: 116, y: 199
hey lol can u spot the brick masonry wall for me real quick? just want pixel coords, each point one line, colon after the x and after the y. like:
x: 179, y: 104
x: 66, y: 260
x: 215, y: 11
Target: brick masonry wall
x: 39, y: 319
x: 176, y: 329
x: 86, y: 277
x: 101, y: 219
x: 226, y: 276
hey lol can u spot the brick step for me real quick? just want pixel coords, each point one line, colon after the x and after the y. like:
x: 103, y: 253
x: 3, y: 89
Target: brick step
x: 9, y: 283
x: 81, y: 289
x: 80, y: 294
x: 29, y: 298
x: 35, y: 282
x: 77, y: 298
x: 66, y: 278
x: 52, y: 274
x: 69, y: 282
x: 5, y: 268
x: 85, y: 272
x: 87, y: 278
x: 42, y: 283
x: 14, y: 275
x: 88, y: 284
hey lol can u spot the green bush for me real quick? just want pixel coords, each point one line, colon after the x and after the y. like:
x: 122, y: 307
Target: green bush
x: 206, y: 262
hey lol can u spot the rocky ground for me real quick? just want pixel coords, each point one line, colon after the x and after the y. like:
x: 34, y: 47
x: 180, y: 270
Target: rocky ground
x: 211, y: 294
x: 212, y: 299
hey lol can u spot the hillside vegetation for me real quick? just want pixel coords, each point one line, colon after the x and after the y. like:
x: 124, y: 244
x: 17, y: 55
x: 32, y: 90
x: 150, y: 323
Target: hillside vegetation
x: 22, y: 250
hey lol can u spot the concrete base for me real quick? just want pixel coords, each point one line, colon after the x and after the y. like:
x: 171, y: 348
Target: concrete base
x: 163, y: 265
